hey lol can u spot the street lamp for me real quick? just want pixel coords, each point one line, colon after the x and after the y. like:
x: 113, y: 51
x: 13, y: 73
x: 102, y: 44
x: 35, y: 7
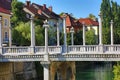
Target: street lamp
x: 72, y: 31
x: 0, y: 31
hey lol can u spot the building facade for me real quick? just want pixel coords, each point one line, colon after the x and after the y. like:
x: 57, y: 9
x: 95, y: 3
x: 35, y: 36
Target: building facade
x: 5, y: 26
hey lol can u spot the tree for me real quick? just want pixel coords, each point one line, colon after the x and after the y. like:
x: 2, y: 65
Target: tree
x: 91, y: 16
x: 18, y: 15
x: 116, y: 71
x: 21, y: 34
x: 90, y: 37
x: 78, y: 38
x: 111, y: 12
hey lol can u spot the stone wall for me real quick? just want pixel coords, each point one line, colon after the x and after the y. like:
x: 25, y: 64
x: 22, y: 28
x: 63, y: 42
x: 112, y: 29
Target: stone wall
x: 62, y: 71
x: 17, y: 71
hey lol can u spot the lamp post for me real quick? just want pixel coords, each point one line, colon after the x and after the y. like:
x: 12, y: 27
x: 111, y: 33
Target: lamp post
x: 0, y: 31
x: 112, y: 42
x: 72, y: 36
x: 65, y: 35
x: 83, y: 33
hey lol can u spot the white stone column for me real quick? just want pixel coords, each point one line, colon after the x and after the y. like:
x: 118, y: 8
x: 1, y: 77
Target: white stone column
x: 10, y: 36
x: 112, y: 42
x: 58, y: 36
x: 32, y: 32
x: 72, y: 36
x: 65, y: 35
x: 101, y: 47
x: 0, y: 34
x: 100, y: 29
x: 46, y: 56
x: 46, y: 68
x: 83, y: 33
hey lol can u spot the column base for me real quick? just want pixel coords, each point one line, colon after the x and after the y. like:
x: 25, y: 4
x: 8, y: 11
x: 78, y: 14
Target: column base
x: 46, y: 64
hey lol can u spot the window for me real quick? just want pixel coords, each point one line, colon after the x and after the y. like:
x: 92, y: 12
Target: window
x: 6, y: 35
x: 5, y: 22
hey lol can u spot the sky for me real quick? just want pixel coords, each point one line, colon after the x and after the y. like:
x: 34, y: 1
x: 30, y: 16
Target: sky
x: 79, y: 8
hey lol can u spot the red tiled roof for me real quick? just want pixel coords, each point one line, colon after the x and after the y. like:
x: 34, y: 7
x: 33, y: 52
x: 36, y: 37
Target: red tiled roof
x: 71, y: 22
x: 49, y: 13
x: 42, y: 11
x: 88, y: 21
x: 6, y: 4
x: 2, y: 10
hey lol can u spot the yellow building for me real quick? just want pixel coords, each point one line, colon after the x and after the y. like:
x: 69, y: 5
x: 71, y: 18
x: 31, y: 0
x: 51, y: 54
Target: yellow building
x: 5, y: 26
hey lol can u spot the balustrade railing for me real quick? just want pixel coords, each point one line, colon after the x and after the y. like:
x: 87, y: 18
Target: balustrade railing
x: 76, y: 49
x: 51, y: 49
x: 54, y: 49
x: 15, y: 50
x: 83, y: 49
x: 39, y: 49
x: 112, y: 49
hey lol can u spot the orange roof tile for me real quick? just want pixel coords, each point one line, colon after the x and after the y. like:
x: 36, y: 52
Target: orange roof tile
x: 2, y: 10
x: 88, y: 21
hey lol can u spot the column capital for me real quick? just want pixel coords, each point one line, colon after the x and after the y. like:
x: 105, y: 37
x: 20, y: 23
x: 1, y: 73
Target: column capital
x: 111, y: 22
x: 46, y: 24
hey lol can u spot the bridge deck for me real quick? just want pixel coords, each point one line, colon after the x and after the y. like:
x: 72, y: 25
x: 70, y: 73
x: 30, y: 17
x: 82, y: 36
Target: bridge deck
x: 74, y: 53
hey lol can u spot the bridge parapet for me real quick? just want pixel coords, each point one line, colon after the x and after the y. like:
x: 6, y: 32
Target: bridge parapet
x: 111, y: 49
x: 28, y: 50
x: 79, y: 49
x: 94, y: 49
x: 15, y: 50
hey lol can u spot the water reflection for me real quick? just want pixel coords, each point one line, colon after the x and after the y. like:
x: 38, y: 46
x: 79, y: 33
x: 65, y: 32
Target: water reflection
x: 94, y: 71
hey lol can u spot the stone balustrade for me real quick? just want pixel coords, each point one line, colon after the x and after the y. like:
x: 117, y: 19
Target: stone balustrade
x: 76, y: 49
x: 74, y: 53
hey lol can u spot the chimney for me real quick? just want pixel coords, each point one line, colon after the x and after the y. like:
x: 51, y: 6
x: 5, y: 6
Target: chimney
x: 40, y: 11
x: 44, y: 6
x: 28, y: 2
x: 50, y: 8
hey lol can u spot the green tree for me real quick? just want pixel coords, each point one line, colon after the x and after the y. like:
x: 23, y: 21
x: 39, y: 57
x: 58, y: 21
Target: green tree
x: 21, y: 34
x: 78, y: 38
x: 91, y: 16
x: 116, y: 71
x: 18, y: 15
x: 90, y: 37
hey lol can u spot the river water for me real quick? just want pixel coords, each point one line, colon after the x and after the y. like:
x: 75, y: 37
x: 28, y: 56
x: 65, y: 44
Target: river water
x: 94, y: 71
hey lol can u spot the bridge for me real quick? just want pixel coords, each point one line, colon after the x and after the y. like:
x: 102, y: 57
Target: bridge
x: 46, y: 54
x: 56, y: 53
x: 65, y: 52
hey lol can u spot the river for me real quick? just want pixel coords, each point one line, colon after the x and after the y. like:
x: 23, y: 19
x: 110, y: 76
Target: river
x: 94, y: 70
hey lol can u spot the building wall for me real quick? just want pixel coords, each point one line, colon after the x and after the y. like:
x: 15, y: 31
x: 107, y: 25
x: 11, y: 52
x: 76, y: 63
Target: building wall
x: 5, y: 27
x: 6, y: 71
x: 93, y: 27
